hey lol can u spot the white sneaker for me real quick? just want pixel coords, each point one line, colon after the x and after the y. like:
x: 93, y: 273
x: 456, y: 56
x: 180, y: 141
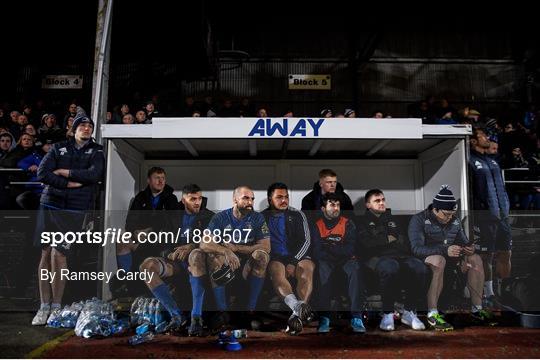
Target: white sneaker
x: 387, y: 322
x: 409, y: 318
x: 41, y: 317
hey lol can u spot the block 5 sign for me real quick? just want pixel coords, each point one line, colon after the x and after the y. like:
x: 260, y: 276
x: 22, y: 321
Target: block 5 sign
x: 310, y: 82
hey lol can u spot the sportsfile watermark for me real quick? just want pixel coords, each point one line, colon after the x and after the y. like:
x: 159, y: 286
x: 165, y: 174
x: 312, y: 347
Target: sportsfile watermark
x: 120, y: 236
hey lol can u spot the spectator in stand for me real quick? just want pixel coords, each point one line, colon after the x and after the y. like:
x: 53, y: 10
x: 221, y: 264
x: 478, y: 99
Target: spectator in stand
x: 71, y: 112
x: 150, y: 110
x: 262, y: 113
x: 189, y: 107
x: 128, y: 119
x: 246, y: 109
x: 445, y: 107
x: 32, y: 119
x: 29, y: 199
x: 140, y: 118
x: 208, y: 109
x: 196, y: 113
x: 519, y: 194
x: 30, y: 129
x: 14, y: 115
x: 288, y: 114
x: 7, y: 144
x: 493, y: 150
x: 49, y: 129
x: 509, y: 138
x: 24, y: 148
x: 340, y: 115
x: 108, y: 117
x: 3, y: 118
x: 118, y: 115
x: 421, y: 110
x: 473, y: 115
x: 349, y: 113
x: 69, y: 130
x: 18, y: 128
x: 378, y: 115
x: 446, y: 119
x: 326, y: 113
x: 227, y: 110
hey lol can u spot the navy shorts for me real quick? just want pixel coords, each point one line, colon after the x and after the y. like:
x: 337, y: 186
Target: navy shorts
x: 59, y: 221
x: 494, y: 234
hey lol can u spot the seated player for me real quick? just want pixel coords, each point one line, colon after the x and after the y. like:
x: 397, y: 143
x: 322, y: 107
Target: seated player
x: 186, y: 259
x: 290, y: 259
x: 438, y: 239
x: 334, y: 247
x: 240, y: 239
x: 383, y: 246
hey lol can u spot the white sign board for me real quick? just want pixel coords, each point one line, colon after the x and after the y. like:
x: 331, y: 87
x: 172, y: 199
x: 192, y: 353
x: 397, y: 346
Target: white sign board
x: 62, y: 82
x: 310, y: 82
x: 276, y: 128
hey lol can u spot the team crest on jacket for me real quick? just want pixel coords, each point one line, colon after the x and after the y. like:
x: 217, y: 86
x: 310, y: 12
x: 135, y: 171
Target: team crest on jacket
x: 62, y: 151
x: 392, y: 224
x: 478, y: 164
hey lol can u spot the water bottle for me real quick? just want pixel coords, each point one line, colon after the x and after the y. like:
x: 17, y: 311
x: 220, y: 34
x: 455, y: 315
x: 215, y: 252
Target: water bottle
x: 139, y: 339
x: 139, y: 311
x: 133, y: 313
x: 143, y: 328
x: 146, y: 311
x: 119, y: 326
x: 158, y: 316
x: 240, y: 333
x: 152, y: 311
x: 161, y: 327
x: 55, y: 321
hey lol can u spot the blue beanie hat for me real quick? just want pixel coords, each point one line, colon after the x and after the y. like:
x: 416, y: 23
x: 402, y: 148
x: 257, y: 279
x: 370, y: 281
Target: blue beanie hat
x: 79, y: 119
x: 445, y: 200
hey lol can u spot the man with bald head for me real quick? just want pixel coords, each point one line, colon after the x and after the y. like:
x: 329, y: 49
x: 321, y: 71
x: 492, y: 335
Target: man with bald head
x: 239, y: 238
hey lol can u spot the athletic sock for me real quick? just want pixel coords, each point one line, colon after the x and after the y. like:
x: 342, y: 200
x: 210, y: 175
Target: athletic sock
x: 221, y: 299
x: 255, y: 287
x: 292, y: 302
x: 162, y: 293
x: 197, y: 294
x: 488, y: 288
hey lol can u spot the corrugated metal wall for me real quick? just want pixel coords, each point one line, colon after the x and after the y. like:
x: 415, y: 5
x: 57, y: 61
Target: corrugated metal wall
x: 389, y: 86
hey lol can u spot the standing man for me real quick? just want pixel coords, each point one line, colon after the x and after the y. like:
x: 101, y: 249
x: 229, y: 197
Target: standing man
x: 438, y: 239
x: 185, y: 259
x: 70, y: 171
x: 240, y: 239
x: 334, y: 247
x: 491, y: 208
x: 327, y: 184
x: 290, y: 259
x: 387, y: 255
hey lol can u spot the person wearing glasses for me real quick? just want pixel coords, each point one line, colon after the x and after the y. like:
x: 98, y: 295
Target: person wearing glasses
x: 438, y: 239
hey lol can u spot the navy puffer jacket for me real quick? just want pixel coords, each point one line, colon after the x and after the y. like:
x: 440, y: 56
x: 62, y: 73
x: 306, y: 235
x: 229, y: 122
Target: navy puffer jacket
x: 86, y: 166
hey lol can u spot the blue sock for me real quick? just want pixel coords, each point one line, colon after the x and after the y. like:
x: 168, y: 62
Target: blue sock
x: 124, y: 261
x: 162, y: 293
x: 197, y: 294
x: 221, y: 299
x: 255, y: 287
